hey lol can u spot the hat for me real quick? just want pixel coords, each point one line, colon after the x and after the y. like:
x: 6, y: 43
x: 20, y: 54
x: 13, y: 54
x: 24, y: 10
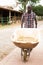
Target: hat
x: 28, y: 4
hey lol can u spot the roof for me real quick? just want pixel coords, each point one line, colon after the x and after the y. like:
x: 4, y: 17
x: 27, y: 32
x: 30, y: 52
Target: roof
x: 9, y: 9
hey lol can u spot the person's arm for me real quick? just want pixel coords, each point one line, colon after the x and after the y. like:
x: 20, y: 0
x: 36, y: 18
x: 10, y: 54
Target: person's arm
x: 35, y: 20
x: 35, y: 23
x: 22, y: 18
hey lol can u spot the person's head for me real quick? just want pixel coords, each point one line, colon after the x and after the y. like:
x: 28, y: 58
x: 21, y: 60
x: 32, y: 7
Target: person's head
x: 29, y: 8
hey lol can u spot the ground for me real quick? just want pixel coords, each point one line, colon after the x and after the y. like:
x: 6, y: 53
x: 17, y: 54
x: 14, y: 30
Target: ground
x: 13, y: 55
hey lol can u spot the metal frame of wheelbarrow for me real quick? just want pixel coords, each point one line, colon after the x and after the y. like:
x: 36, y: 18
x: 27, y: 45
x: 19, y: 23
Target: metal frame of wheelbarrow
x: 25, y: 48
x: 25, y: 53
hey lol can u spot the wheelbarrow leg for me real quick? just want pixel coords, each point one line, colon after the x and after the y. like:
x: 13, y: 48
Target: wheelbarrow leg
x: 28, y: 51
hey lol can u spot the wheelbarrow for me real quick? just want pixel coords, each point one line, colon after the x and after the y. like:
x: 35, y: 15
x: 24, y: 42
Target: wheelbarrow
x: 26, y: 44
x: 26, y: 39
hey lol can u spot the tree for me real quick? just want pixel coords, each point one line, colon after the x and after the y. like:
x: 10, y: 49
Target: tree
x: 38, y: 10
x: 24, y: 3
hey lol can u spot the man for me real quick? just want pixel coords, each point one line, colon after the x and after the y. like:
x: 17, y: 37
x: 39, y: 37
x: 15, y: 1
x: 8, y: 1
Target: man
x: 28, y: 19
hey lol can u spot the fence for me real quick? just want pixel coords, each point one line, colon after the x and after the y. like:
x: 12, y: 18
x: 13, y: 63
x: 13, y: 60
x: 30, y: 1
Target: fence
x: 4, y: 20
x: 12, y: 19
x: 39, y: 18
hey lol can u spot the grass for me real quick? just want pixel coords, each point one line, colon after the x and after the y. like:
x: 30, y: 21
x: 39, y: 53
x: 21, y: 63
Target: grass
x: 9, y: 25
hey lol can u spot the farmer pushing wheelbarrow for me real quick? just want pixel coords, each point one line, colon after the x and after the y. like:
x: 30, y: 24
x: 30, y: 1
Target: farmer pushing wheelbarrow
x: 27, y: 21
x: 23, y: 39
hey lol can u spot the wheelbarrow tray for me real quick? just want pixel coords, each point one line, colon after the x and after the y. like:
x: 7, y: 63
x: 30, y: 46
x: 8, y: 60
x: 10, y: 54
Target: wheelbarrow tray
x: 25, y: 45
x: 27, y: 33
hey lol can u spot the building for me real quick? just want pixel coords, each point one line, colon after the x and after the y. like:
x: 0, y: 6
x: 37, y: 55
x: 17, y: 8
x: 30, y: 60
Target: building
x: 8, y: 14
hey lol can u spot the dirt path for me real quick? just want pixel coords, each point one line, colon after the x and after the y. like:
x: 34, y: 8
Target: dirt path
x: 6, y: 47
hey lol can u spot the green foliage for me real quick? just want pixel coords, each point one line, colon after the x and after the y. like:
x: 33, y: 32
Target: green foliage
x: 23, y: 0
x: 24, y: 3
x: 34, y: 1
x: 29, y: 0
x: 38, y: 10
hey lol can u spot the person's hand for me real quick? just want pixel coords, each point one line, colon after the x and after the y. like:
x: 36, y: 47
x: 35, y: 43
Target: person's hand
x: 35, y: 26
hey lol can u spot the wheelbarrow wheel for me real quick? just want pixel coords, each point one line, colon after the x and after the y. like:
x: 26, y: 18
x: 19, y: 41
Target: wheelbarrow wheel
x: 25, y: 55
